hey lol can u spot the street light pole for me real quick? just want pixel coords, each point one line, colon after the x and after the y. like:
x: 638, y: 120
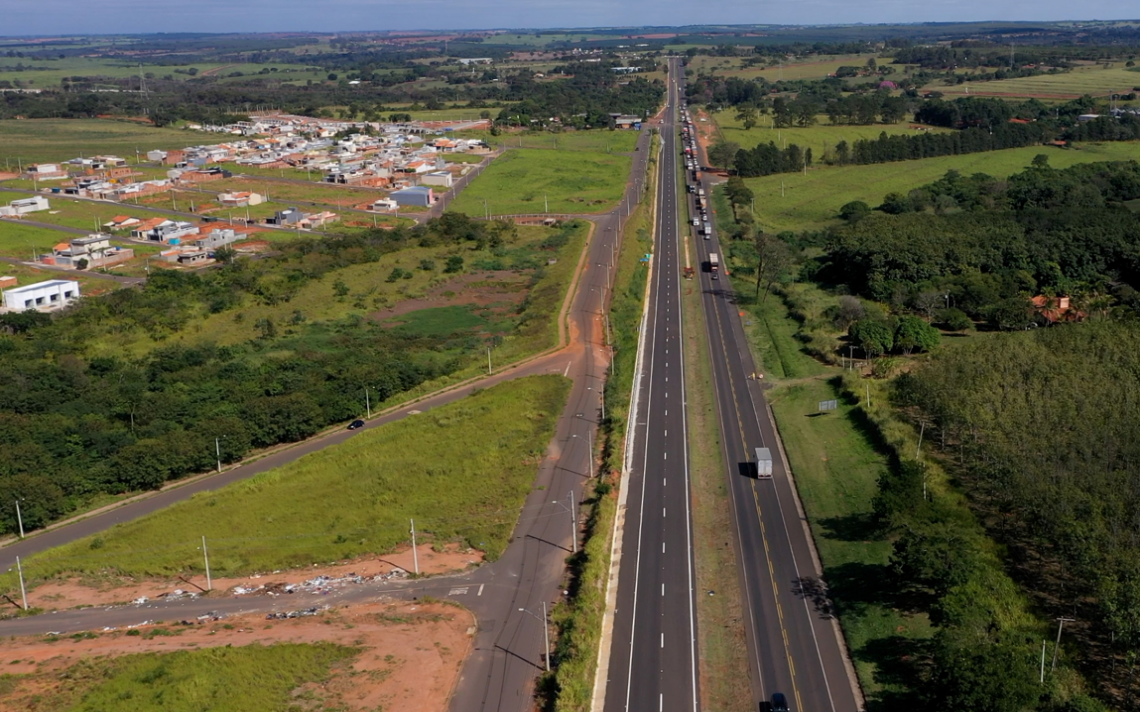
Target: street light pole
x: 415, y: 554
x: 367, y: 403
x: 218, y: 452
x: 573, y: 524
x: 19, y: 519
x: 545, y: 633
x: 206, y: 556
x: 23, y: 590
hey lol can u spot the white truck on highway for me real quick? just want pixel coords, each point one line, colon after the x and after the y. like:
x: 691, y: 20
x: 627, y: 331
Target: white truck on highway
x: 714, y: 262
x: 763, y: 463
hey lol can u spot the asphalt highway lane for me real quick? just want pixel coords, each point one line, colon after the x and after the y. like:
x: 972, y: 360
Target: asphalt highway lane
x: 793, y: 643
x: 653, y: 663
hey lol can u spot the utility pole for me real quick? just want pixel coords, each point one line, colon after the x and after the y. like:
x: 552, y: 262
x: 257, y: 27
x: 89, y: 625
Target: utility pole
x: 1060, y: 624
x: 415, y: 554
x: 918, y: 452
x: 546, y: 638
x: 573, y: 525
x: 1042, y: 662
x: 23, y: 590
x: 367, y: 403
x: 19, y: 519
x: 218, y: 452
x: 868, y: 396
x: 590, y: 448
x: 206, y: 556
x: 488, y: 360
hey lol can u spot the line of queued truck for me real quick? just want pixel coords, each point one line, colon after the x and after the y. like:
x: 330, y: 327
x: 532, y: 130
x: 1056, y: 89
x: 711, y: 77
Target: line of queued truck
x: 700, y: 207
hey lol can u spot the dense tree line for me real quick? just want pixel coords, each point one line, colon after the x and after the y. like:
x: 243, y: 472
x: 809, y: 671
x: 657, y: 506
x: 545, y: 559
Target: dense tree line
x: 767, y: 158
x: 73, y: 425
x: 1043, y: 428
x: 585, y: 98
x: 982, y: 245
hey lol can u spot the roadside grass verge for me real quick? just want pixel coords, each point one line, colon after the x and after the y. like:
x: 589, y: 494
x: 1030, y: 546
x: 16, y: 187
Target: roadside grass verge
x: 793, y: 201
x: 226, y: 679
x: 524, y: 181
x: 837, y: 468
x: 462, y: 471
x: 48, y: 140
x: 579, y: 623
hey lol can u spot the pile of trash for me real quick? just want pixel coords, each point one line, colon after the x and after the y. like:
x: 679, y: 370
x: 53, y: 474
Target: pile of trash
x: 321, y: 584
x: 282, y: 615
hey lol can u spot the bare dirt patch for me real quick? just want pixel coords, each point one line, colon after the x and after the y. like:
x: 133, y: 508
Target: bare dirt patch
x: 410, y: 658
x: 504, y: 289
x: 102, y: 591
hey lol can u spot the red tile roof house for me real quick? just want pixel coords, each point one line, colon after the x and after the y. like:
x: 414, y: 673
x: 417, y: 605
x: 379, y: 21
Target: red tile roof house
x: 1056, y: 309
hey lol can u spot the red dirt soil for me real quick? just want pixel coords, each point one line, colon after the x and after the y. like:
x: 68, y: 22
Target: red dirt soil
x: 411, y: 656
x: 69, y: 593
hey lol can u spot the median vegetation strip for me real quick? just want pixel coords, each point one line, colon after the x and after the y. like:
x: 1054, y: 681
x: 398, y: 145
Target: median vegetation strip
x: 348, y: 500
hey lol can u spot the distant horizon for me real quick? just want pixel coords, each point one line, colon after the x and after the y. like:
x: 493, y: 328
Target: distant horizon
x: 62, y: 18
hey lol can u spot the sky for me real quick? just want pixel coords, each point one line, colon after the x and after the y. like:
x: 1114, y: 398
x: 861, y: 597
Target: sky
x: 54, y: 17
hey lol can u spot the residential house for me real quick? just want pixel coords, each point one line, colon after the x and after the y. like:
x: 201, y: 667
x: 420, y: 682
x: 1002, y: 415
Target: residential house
x: 240, y: 200
x: 440, y: 178
x: 89, y: 252
x: 121, y: 222
x: 318, y: 219
x: 23, y: 206
x: 7, y: 281
x: 52, y: 294
x: 289, y: 216
x: 46, y: 171
x: 417, y: 195
x: 170, y: 231
x: 218, y: 238
x: 1055, y: 309
x: 384, y: 204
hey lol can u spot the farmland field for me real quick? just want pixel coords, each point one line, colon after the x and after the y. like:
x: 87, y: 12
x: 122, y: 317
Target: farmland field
x: 1069, y: 85
x: 527, y: 180
x: 813, y: 201
x: 43, y: 140
x: 47, y: 73
x: 817, y: 67
x: 369, y: 487
x: 597, y: 140
x: 819, y: 138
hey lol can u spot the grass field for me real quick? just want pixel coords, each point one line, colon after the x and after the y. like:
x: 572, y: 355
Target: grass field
x: 813, y: 201
x: 223, y: 679
x: 349, y: 499
x: 597, y: 140
x: 438, y: 321
x: 836, y: 471
x: 44, y: 140
x: 1069, y: 85
x: 819, y: 138
x: 49, y: 72
x: 817, y: 67
x: 537, y: 181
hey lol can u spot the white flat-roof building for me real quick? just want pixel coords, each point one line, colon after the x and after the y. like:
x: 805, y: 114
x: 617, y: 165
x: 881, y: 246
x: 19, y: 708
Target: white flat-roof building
x: 52, y: 294
x: 441, y: 178
x: 25, y: 205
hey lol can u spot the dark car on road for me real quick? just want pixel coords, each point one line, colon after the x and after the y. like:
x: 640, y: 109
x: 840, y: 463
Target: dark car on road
x: 356, y: 424
x: 779, y: 703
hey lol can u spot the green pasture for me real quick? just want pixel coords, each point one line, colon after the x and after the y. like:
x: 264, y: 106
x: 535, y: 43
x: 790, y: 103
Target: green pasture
x: 813, y: 201
x: 1094, y: 80
x: 536, y: 181
x: 438, y: 321
x: 350, y: 499
x: 49, y: 73
x: 815, y: 67
x: 47, y: 140
x: 596, y: 140
x: 222, y: 679
x: 820, y: 138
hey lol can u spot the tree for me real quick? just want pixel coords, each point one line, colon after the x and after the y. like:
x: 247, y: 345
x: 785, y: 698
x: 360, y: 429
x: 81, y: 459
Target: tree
x: 81, y: 263
x: 773, y: 257
x: 955, y: 319
x: 874, y: 337
x: 454, y: 264
x: 721, y: 153
x: 1011, y: 314
x: 747, y: 115
x: 914, y: 333
x: 854, y: 211
x: 225, y: 254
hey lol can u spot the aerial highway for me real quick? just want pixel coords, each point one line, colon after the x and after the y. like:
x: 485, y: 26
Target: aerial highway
x: 794, y: 643
x: 653, y: 658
